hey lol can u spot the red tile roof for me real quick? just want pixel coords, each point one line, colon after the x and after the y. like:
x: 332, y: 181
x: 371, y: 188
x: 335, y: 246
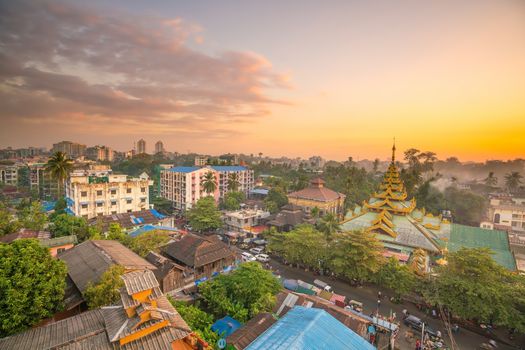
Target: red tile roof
x: 315, y: 193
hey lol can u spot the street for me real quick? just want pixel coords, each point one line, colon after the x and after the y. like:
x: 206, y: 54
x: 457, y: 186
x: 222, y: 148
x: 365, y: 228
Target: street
x: 465, y: 339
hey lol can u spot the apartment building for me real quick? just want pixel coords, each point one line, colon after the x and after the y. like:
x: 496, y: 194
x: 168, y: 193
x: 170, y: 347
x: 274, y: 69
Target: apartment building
x: 72, y: 149
x: 101, y: 153
x: 506, y: 213
x: 182, y: 185
x: 244, y: 220
x: 97, y: 192
x: 9, y: 174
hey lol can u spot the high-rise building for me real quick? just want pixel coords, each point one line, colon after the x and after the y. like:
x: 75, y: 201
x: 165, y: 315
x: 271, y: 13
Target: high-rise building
x: 141, y: 146
x: 182, y: 185
x: 159, y: 147
x: 101, y: 153
x: 71, y: 149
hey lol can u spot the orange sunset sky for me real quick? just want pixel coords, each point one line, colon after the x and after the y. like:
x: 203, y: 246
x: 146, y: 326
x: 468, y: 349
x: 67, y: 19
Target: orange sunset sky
x: 292, y: 78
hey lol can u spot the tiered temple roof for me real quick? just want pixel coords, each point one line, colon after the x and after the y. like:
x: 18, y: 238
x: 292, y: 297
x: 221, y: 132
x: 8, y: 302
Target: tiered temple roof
x: 402, y: 227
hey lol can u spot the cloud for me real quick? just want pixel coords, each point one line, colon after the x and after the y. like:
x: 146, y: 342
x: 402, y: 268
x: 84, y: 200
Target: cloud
x: 67, y: 64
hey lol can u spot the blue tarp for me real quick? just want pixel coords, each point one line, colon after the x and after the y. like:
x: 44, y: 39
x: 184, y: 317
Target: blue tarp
x: 48, y: 206
x: 261, y: 191
x: 309, y: 328
x: 69, y: 212
x: 147, y: 228
x: 157, y: 214
x: 225, y: 326
x: 290, y: 284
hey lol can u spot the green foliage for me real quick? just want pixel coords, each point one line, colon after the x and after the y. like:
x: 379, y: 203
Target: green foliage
x: 32, y: 285
x: 329, y: 224
x: 473, y: 286
x: 162, y: 205
x: 60, y: 206
x: 513, y: 181
x: 467, y: 207
x: 65, y: 225
x: 198, y: 320
x: 354, y: 182
x: 32, y: 216
x: 8, y: 222
x: 355, y: 255
x: 106, y: 291
x: 430, y: 198
x: 149, y: 241
x: 241, y: 294
x: 233, y: 182
x: 303, y: 245
x: 209, y: 182
x: 233, y: 200
x: 275, y: 200
x: 205, y: 215
x: 397, y: 277
x: 59, y: 166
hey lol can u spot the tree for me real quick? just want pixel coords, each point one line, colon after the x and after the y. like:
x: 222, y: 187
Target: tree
x: 8, y: 222
x: 513, y: 181
x: 491, y: 180
x: 329, y: 225
x: 163, y: 205
x: 32, y: 285
x: 204, y: 215
x: 233, y: 200
x: 275, y: 200
x: 376, y: 165
x: 149, y: 241
x: 116, y: 233
x: 65, y: 225
x: 355, y: 255
x: 59, y: 166
x: 106, y: 291
x: 473, y: 286
x: 198, y: 320
x: 233, y: 182
x: 466, y: 207
x: 315, y: 212
x: 33, y: 217
x: 209, y: 182
x: 237, y: 295
x: 396, y: 277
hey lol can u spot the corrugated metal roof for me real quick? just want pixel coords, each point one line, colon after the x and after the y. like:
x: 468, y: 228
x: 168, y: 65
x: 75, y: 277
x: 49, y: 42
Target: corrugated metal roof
x: 184, y: 169
x: 309, y: 328
x: 139, y: 281
x: 228, y: 168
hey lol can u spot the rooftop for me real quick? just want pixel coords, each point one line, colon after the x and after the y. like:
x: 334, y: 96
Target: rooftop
x: 194, y: 251
x: 309, y: 328
x: 128, y: 220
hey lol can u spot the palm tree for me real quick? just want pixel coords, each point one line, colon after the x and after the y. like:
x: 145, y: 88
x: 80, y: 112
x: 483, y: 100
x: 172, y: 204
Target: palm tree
x: 233, y: 182
x: 209, y: 182
x: 329, y: 225
x: 59, y: 166
x: 491, y: 180
x: 513, y: 181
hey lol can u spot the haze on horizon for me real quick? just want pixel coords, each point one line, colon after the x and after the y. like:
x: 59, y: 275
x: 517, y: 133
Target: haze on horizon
x: 293, y: 78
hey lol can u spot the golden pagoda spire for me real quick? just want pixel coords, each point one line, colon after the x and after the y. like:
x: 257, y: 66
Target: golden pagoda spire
x: 394, y: 152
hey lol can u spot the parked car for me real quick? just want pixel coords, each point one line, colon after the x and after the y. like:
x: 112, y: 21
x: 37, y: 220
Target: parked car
x: 262, y: 258
x: 245, y: 256
x: 244, y: 246
x: 323, y: 285
x: 256, y: 250
x: 416, y: 323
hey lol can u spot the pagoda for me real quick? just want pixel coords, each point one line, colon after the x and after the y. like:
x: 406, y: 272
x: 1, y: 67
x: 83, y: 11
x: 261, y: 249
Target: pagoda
x: 403, y: 228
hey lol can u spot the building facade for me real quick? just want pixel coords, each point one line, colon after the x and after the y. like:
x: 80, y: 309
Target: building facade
x: 182, y: 185
x: 320, y: 197
x: 505, y: 212
x: 91, y: 193
x: 159, y: 147
x: 244, y: 220
x: 9, y: 174
x: 100, y: 153
x: 71, y: 149
x: 201, y: 160
x: 141, y: 146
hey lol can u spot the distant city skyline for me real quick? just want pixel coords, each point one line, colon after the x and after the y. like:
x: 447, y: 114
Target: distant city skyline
x: 294, y: 78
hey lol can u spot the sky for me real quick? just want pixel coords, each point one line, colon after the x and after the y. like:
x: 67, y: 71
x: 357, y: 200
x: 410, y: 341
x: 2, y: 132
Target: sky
x: 293, y: 78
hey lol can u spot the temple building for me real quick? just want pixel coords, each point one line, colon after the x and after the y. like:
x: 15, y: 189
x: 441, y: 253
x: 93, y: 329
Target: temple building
x: 317, y: 196
x: 403, y: 228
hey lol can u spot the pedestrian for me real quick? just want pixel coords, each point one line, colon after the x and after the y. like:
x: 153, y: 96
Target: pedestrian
x: 405, y: 312
x: 434, y: 313
x: 418, y: 344
x: 438, y: 333
x: 379, y: 295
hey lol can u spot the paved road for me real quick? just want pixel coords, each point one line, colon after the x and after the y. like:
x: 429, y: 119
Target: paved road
x: 465, y: 340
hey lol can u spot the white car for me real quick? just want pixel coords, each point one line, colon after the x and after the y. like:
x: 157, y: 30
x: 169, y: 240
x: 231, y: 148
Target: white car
x: 262, y: 258
x: 256, y: 250
x: 247, y: 257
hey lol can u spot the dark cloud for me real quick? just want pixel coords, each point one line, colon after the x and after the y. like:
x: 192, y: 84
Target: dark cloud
x: 61, y: 61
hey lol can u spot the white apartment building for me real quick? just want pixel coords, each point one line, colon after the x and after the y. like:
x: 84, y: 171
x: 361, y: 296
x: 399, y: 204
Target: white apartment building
x: 182, y: 185
x: 506, y: 213
x: 96, y: 192
x: 201, y: 160
x: 244, y: 220
x: 9, y: 174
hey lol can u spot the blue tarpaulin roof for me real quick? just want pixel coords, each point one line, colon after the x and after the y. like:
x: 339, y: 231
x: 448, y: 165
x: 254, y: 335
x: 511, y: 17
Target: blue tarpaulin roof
x: 228, y: 168
x: 309, y: 328
x: 48, y: 206
x: 225, y: 326
x: 261, y: 191
x: 69, y: 211
x: 157, y: 214
x: 147, y: 228
x: 184, y: 169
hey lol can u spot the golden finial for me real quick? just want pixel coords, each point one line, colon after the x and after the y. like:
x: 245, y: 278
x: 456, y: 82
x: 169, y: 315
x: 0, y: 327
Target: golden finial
x: 394, y: 151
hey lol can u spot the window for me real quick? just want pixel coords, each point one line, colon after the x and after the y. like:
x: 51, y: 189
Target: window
x: 100, y: 204
x: 129, y: 210
x: 143, y: 189
x: 128, y: 201
x: 83, y: 194
x: 99, y: 193
x: 113, y: 202
x: 128, y: 190
x: 84, y: 206
x: 515, y: 224
x: 113, y: 191
x: 143, y: 200
x: 496, y: 218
